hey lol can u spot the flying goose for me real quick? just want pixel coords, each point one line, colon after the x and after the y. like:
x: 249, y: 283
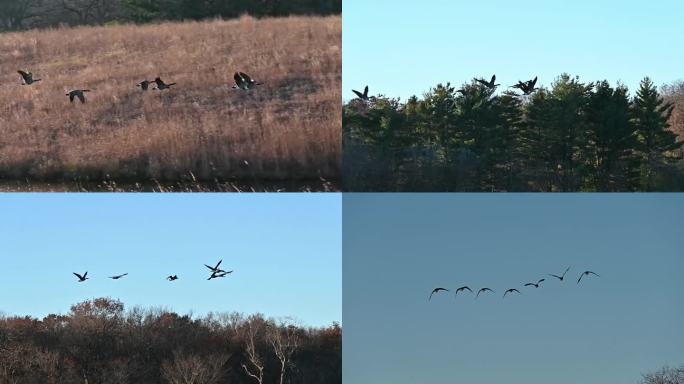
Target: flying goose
x: 77, y: 93
x: 216, y: 268
x: 561, y: 277
x: 535, y: 285
x: 510, y: 291
x: 435, y: 291
x: 144, y: 85
x: 526, y: 87
x: 117, y: 277
x: 586, y: 273
x: 172, y: 277
x: 243, y: 81
x: 362, y: 96
x: 82, y: 278
x: 161, y: 85
x: 483, y: 290
x: 218, y: 274
x: 489, y: 84
x: 463, y: 288
x: 27, y: 78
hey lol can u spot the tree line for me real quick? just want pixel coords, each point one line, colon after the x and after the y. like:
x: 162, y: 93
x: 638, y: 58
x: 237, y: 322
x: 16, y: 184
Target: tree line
x: 98, y: 342
x: 574, y: 136
x: 25, y: 14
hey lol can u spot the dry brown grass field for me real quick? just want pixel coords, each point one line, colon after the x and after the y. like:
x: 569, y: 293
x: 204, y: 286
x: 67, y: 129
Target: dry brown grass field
x: 200, y: 135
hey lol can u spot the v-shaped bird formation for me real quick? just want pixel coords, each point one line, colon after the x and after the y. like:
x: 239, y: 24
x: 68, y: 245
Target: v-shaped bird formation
x: 510, y: 291
x: 216, y: 272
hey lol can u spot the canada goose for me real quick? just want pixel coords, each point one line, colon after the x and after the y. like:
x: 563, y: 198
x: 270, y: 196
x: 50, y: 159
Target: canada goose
x: 81, y: 278
x: 510, y: 291
x: 77, y: 93
x: 243, y: 81
x: 216, y: 268
x: 562, y: 276
x: 464, y: 288
x: 217, y: 274
x: 526, y: 87
x: 27, y: 78
x: 172, y: 277
x: 535, y: 285
x: 362, y: 96
x: 435, y: 291
x: 117, y: 277
x: 489, y: 84
x: 161, y: 85
x: 586, y: 273
x: 483, y: 290
x: 144, y: 85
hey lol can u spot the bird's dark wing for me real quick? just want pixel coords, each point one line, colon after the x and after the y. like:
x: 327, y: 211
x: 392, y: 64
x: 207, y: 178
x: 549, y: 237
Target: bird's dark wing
x: 566, y: 271
x: 219, y: 263
x: 493, y: 80
x: 246, y: 77
x: 22, y: 73
x: 556, y: 276
x: 532, y: 84
x: 580, y: 278
x: 540, y: 280
x: 81, y: 97
x: 77, y: 275
x: 238, y: 79
x: 359, y: 94
x: 528, y: 284
x: 471, y: 291
x: 595, y: 274
x: 365, y: 92
x: 71, y: 97
x: 212, y: 268
x: 482, y: 81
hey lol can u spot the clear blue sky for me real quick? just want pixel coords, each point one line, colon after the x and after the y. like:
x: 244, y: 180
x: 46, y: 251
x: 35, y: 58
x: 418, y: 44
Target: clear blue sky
x: 404, y: 47
x: 285, y: 250
x: 606, y: 330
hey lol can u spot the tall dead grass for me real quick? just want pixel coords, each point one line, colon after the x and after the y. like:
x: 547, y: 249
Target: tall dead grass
x: 287, y: 129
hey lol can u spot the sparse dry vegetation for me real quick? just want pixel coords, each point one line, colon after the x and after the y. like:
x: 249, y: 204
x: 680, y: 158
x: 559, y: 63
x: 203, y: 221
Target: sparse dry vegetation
x: 200, y: 133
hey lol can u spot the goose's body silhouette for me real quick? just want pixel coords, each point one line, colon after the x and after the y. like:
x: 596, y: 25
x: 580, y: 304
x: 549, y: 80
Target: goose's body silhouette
x: 81, y: 278
x: 510, y: 291
x: 216, y: 268
x: 77, y: 93
x: 172, y: 277
x: 535, y: 285
x: 561, y: 277
x: 489, y: 84
x: 586, y: 273
x: 161, y: 85
x: 483, y: 290
x: 435, y: 291
x: 243, y: 81
x: 27, y: 77
x: 218, y: 274
x: 144, y: 85
x: 117, y: 277
x: 463, y: 288
x: 526, y: 87
x: 362, y: 96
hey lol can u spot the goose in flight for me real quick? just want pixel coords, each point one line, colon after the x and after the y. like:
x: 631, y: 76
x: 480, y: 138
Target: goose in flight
x: 510, y: 291
x: 483, y: 290
x: 216, y: 268
x: 586, y: 273
x: 489, y: 84
x: 27, y: 78
x: 117, y: 277
x: 464, y: 288
x: 561, y: 277
x: 81, y: 278
x: 77, y: 93
x: 435, y: 291
x: 362, y: 96
x: 535, y: 285
x: 144, y: 85
x: 161, y: 85
x: 218, y: 274
x: 172, y: 277
x: 526, y: 87
x: 243, y: 81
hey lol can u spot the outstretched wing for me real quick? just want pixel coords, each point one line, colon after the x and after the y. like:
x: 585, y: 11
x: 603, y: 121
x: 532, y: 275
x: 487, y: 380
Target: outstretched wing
x: 81, y: 97
x: 528, y: 284
x: 359, y: 94
x: 365, y: 92
x: 593, y: 273
x: 533, y: 82
x: 556, y: 276
x: 493, y: 80
x: 566, y: 271
x: 219, y: 263
x: 77, y: 275
x: 540, y: 280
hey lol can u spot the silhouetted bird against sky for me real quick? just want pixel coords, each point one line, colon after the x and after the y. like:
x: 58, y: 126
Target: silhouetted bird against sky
x: 510, y: 291
x: 161, y: 85
x: 27, y: 77
x: 435, y: 291
x: 117, y: 277
x: 526, y: 87
x: 561, y: 277
x: 216, y: 268
x: 489, y: 84
x: 218, y: 274
x: 362, y: 96
x: 144, y: 85
x: 172, y: 278
x: 586, y: 273
x: 535, y: 285
x: 81, y: 278
x: 77, y: 93
x: 464, y: 288
x: 243, y: 81
x: 483, y: 290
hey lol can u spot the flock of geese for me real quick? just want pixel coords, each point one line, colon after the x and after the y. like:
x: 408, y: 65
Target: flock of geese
x: 527, y: 87
x: 511, y: 290
x: 242, y: 81
x: 216, y: 272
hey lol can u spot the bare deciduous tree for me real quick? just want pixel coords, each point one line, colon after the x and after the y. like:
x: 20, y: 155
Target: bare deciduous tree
x: 193, y: 369
x: 666, y: 375
x: 285, y: 341
x: 255, y: 366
